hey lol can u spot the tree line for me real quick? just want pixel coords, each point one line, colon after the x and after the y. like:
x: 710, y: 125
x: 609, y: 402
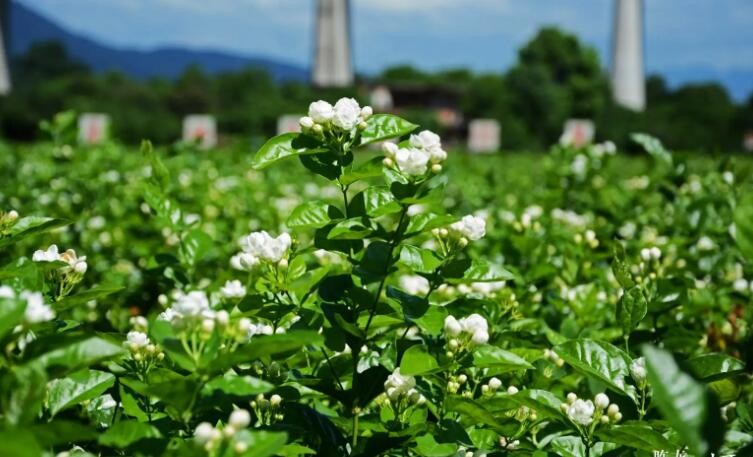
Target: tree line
x: 555, y: 77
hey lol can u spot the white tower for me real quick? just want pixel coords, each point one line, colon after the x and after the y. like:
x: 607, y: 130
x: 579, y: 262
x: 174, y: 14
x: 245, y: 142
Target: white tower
x: 332, y: 64
x: 628, y: 83
x: 4, y: 69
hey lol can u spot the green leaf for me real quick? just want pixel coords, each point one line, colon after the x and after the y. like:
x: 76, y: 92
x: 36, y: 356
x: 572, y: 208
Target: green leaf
x: 474, y: 411
x: 11, y: 313
x: 599, y: 360
x: 743, y: 218
x: 19, y: 443
x: 654, y: 147
x: 427, y: 446
x: 369, y: 169
x: 418, y: 259
x: 379, y: 201
x: 160, y: 173
x: 545, y: 403
x: 85, y: 297
x: 355, y: 228
x: 193, y: 246
x: 712, y: 367
x: 261, y: 443
x: 636, y: 435
x: 382, y: 127
x: 684, y: 403
x: 283, y: 146
x: 125, y: 433
x: 313, y: 214
x: 417, y: 360
x: 631, y: 309
x: 413, y: 307
x: 76, y: 388
x: 468, y: 271
x: 32, y: 225
x: 267, y: 346
x: 60, y: 432
x: 488, y: 356
x: 61, y: 355
x: 572, y: 446
x: 242, y: 386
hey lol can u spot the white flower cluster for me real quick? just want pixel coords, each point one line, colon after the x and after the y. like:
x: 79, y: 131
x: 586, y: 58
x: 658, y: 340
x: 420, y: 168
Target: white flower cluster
x: 210, y: 437
x: 425, y: 152
x: 400, y: 391
x: 415, y: 285
x: 458, y: 234
x: 652, y: 253
x: 465, y: 332
x: 233, y: 289
x: 260, y: 247
x: 584, y: 412
x: 344, y: 116
x: 267, y: 410
x: 36, y: 311
x: 76, y: 264
x: 7, y: 220
x: 141, y: 348
x: 589, y: 237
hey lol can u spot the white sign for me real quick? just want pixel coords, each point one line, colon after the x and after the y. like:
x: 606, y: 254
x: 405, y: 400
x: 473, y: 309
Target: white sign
x: 288, y: 123
x: 748, y: 142
x: 483, y: 135
x: 93, y: 128
x: 380, y: 98
x: 578, y: 132
x: 200, y: 128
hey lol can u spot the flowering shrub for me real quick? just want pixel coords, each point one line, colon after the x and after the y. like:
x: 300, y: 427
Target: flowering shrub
x: 392, y: 305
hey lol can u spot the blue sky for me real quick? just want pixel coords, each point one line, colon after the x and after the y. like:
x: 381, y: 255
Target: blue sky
x: 484, y: 35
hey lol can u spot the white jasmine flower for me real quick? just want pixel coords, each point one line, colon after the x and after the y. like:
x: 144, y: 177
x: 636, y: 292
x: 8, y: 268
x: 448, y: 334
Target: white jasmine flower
x: 275, y: 400
x: 36, y: 311
x: 262, y: 246
x: 740, y: 285
x: 306, y: 122
x: 321, y: 112
x: 601, y: 401
x: 50, y: 255
x: 452, y: 327
x: 581, y: 412
x: 137, y: 340
x: 431, y: 143
x: 239, y: 419
x: 204, y: 433
x: 512, y: 390
x: 414, y: 284
x: 233, y: 289
x: 366, y: 112
x: 244, y: 261
x: 192, y: 304
x: 480, y: 337
x: 705, y: 244
x: 412, y: 161
x: 7, y: 292
x: 397, y: 384
x: 346, y: 113
x: 495, y: 383
x: 638, y: 370
x: 471, y: 227
x: 76, y: 264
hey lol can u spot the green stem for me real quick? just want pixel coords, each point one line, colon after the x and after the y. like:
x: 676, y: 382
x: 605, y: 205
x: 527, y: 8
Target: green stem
x: 395, y: 240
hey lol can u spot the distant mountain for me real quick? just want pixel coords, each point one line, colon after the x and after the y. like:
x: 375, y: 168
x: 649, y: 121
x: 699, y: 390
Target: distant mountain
x: 27, y: 27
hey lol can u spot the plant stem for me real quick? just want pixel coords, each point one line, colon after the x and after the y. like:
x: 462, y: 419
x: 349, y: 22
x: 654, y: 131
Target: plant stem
x: 395, y: 240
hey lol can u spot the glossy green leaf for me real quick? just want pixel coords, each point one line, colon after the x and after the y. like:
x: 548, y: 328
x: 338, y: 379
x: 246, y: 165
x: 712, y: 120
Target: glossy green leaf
x: 312, y: 214
x: 85, y: 297
x: 417, y: 360
x: 500, y: 360
x: 32, y: 225
x: 711, y: 367
x: 637, y: 435
x: 76, y: 388
x: 126, y: 433
x: 427, y: 446
x: 631, y: 309
x: 600, y: 360
x: 418, y: 259
x: 11, y: 314
x: 382, y: 127
x: 71, y: 353
x: 267, y: 346
x: 743, y: 218
x: 683, y: 402
x: 284, y: 146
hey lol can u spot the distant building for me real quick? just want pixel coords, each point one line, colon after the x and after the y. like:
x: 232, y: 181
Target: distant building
x: 443, y: 102
x: 332, y: 62
x: 748, y: 142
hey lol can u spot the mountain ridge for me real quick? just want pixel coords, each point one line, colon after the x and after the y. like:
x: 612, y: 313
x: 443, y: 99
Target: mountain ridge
x: 26, y: 27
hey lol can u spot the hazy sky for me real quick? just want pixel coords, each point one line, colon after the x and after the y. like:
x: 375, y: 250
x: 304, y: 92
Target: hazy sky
x: 480, y: 34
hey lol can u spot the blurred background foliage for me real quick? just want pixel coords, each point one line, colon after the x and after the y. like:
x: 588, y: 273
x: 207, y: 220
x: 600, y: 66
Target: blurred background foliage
x: 555, y: 78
